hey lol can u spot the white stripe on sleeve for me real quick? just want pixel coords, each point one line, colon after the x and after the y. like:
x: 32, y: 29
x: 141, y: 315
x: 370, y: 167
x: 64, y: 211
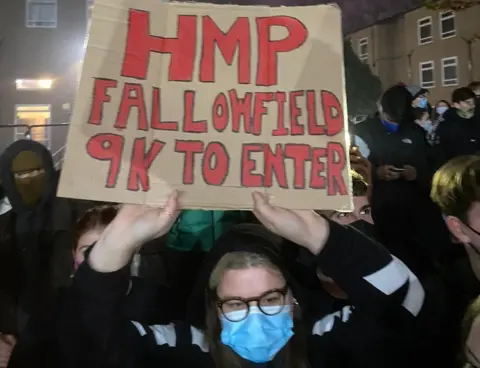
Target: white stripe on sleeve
x: 392, y: 277
x: 140, y: 328
x: 165, y: 334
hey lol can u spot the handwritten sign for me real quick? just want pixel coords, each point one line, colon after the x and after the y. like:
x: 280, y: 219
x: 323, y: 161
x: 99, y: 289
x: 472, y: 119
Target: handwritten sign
x: 215, y: 101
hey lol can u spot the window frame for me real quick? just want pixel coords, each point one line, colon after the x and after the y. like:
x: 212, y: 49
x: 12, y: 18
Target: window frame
x: 31, y: 23
x: 441, y: 18
x: 445, y: 82
x: 419, y: 27
x: 420, y: 75
x: 361, y: 42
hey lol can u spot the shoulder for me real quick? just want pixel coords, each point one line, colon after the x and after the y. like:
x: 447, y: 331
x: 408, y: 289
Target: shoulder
x: 173, y: 335
x: 366, y: 125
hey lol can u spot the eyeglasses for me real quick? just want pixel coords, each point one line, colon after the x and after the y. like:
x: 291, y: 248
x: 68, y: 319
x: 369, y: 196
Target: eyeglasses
x: 269, y: 303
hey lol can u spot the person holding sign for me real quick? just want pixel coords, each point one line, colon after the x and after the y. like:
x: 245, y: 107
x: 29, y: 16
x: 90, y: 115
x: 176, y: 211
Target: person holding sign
x: 250, y: 314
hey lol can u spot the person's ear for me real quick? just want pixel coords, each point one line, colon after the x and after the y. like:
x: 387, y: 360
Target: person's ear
x: 456, y: 228
x: 456, y: 105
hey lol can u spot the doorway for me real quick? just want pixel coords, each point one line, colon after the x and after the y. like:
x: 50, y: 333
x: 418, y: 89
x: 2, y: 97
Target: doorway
x: 36, y: 116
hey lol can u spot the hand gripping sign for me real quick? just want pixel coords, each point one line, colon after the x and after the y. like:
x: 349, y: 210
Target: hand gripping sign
x: 215, y: 101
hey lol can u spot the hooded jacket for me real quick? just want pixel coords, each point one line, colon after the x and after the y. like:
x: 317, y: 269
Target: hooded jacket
x: 373, y: 278
x: 456, y: 136
x: 402, y: 209
x: 35, y: 248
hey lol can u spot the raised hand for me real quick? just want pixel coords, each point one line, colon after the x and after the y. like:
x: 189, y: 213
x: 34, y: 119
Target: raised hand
x: 7, y: 343
x: 303, y: 227
x: 133, y: 226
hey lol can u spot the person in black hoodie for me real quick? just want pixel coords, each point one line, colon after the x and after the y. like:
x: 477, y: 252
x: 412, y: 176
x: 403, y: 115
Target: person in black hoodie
x: 399, y: 153
x: 244, y: 310
x: 459, y: 133
x: 35, y: 242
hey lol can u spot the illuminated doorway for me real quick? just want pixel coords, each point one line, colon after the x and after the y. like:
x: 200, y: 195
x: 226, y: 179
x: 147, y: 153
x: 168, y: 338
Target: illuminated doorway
x: 37, y: 117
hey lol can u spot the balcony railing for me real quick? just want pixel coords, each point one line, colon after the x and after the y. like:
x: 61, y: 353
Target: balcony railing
x: 28, y: 132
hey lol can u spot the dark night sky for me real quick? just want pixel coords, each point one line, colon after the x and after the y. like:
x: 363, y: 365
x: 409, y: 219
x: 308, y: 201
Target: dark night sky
x: 357, y: 14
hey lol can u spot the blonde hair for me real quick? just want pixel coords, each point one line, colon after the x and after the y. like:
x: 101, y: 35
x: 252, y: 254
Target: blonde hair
x: 239, y: 261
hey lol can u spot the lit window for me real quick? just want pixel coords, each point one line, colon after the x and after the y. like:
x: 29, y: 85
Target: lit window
x: 41, y: 13
x: 424, y: 28
x: 447, y: 24
x: 427, y: 74
x: 449, y: 71
x: 363, y: 49
x: 32, y: 122
x: 34, y: 84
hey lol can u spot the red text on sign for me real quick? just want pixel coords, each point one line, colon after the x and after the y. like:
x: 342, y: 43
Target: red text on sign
x: 182, y: 48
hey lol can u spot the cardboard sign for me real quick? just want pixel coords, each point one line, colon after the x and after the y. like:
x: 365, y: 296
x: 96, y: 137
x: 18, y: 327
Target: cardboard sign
x: 215, y: 101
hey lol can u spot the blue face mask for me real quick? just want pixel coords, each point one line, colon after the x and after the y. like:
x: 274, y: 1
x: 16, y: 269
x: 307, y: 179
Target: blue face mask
x: 441, y: 109
x: 422, y: 103
x: 391, y: 127
x: 258, y: 337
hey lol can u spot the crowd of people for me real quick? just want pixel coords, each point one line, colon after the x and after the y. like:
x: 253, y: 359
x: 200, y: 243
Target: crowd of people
x: 392, y: 284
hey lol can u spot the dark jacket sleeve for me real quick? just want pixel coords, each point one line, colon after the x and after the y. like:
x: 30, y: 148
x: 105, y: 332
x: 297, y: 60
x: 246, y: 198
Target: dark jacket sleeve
x: 92, y: 329
x: 371, y: 277
x: 425, y: 168
x: 442, y: 150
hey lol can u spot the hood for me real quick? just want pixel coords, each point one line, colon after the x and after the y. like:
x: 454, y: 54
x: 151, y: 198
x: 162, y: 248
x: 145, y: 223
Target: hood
x: 240, y: 238
x: 415, y: 90
x: 27, y: 174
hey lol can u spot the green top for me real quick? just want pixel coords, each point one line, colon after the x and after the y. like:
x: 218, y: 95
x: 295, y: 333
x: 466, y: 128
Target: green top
x: 199, y: 228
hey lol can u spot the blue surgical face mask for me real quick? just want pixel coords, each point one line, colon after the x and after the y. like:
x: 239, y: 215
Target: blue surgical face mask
x: 258, y: 337
x: 441, y: 109
x: 391, y: 127
x: 422, y: 102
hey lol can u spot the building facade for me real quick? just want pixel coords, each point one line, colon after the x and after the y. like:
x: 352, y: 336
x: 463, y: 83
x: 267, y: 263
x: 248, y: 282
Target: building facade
x: 438, y: 50
x: 41, y: 49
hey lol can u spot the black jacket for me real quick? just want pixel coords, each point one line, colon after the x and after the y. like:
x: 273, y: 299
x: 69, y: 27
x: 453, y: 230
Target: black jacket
x: 35, y: 242
x: 39, y: 347
x: 402, y: 209
x: 407, y: 146
x: 456, y: 136
x: 374, y: 280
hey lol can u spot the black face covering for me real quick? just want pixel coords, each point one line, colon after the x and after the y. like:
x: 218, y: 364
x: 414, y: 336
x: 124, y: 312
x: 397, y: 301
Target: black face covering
x: 365, y: 228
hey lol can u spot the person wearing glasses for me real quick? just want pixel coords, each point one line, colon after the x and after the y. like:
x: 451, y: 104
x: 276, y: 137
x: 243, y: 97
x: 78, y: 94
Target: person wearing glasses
x: 245, y: 310
x: 459, y: 133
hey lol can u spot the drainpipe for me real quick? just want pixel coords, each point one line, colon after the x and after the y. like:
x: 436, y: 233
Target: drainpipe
x: 470, y: 42
x: 409, y: 66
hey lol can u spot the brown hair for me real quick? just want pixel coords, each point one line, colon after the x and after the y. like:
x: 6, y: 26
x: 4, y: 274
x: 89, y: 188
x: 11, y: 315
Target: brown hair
x: 456, y: 186
x: 96, y: 217
x: 360, y: 188
x: 471, y: 315
x: 359, y: 184
x: 474, y: 85
x: 294, y: 353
